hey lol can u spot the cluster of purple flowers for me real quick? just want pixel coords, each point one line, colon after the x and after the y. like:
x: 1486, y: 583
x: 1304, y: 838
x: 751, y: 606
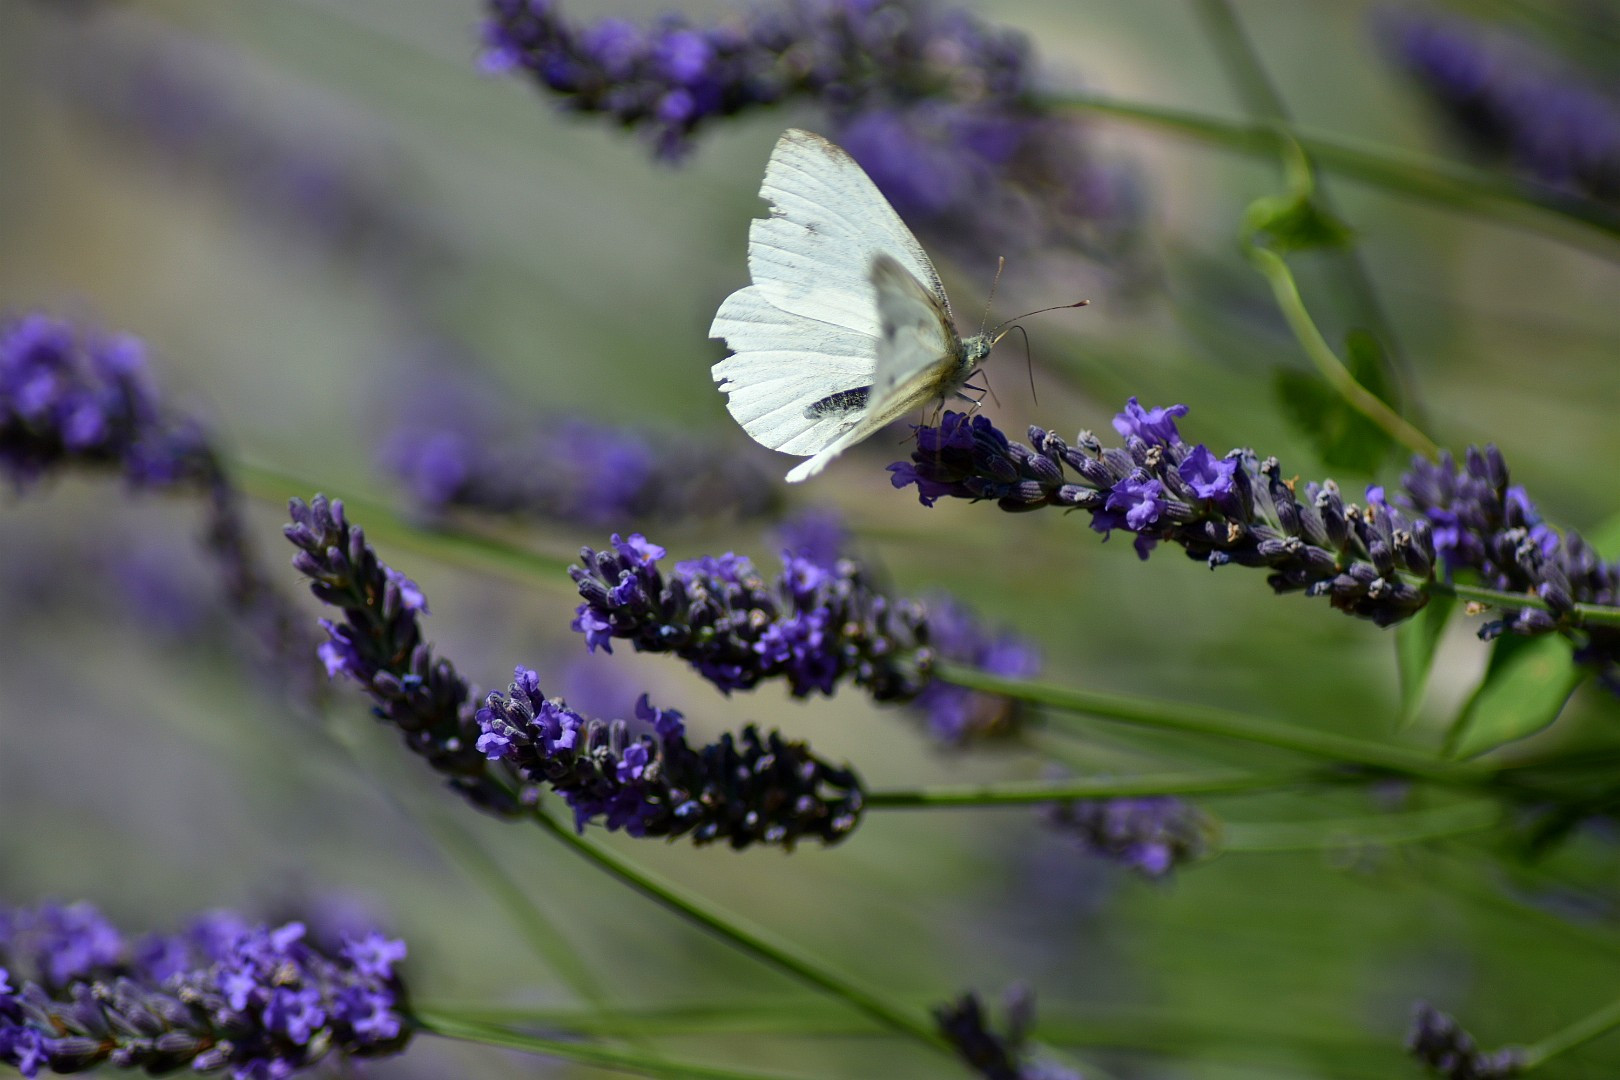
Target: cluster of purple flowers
x: 1151, y: 835
x: 69, y: 399
x: 822, y: 620
x: 1439, y: 1042
x: 935, y: 104
x: 814, y: 626
x: 1231, y: 509
x: 576, y: 471
x: 756, y: 789
x: 848, y: 54
x: 753, y: 789
x: 1486, y: 525
x: 995, y: 1056
x: 1513, y: 101
x: 222, y: 994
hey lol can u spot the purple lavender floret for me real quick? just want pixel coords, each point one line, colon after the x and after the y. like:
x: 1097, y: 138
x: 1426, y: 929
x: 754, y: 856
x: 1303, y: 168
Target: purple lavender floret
x: 1439, y: 1042
x: 1233, y: 509
x: 1513, y: 101
x: 993, y: 1055
x: 500, y: 753
x: 570, y: 470
x: 935, y: 104
x: 1486, y: 525
x: 1152, y: 835
x: 221, y: 994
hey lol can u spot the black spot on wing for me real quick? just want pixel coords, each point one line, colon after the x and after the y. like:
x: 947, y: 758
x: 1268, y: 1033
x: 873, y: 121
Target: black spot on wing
x: 840, y: 404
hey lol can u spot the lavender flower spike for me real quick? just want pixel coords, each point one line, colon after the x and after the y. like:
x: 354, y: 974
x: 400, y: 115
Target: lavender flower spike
x: 994, y: 1056
x: 1513, y: 101
x: 1233, y: 509
x: 1151, y: 835
x: 813, y: 626
x: 1486, y: 525
x: 821, y: 621
x: 674, y: 78
x: 1439, y: 1042
x: 262, y: 1002
x: 936, y: 105
x: 747, y: 790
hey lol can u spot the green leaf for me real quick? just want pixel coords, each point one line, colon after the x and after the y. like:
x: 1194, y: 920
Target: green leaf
x: 1416, y: 641
x: 1525, y: 687
x: 1342, y: 436
x: 1288, y: 223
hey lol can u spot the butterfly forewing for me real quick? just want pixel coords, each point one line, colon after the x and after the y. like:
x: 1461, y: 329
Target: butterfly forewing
x: 813, y: 255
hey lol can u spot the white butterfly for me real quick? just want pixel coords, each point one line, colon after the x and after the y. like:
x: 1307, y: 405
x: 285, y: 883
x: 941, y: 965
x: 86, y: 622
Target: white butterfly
x: 846, y: 327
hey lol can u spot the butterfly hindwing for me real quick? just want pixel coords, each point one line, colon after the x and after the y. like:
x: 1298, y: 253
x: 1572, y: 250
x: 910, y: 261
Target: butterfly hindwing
x: 917, y: 344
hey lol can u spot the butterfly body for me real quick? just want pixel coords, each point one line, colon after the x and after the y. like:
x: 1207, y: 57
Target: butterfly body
x: 846, y: 327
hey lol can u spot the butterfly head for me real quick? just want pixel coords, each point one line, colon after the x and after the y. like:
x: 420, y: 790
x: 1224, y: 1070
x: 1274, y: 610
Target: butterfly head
x: 977, y: 347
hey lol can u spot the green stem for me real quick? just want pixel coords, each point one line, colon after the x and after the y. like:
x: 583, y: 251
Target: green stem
x: 1203, y: 720
x: 381, y: 522
x: 1416, y: 827
x: 1368, y: 404
x: 1090, y: 787
x: 1579, y: 1033
x: 624, y: 1061
x: 1583, y: 615
x: 1564, y: 217
x: 1263, y: 102
x: 755, y: 941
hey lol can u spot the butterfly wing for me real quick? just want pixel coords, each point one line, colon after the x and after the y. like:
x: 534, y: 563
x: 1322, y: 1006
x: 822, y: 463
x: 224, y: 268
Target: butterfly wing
x: 918, y: 359
x: 918, y: 355
x: 807, y: 333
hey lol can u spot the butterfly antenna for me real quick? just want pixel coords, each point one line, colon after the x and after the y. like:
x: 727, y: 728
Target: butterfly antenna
x: 1029, y: 362
x: 1001, y: 264
x: 999, y: 333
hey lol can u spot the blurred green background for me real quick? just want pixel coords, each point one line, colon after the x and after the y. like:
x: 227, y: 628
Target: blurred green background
x: 144, y: 767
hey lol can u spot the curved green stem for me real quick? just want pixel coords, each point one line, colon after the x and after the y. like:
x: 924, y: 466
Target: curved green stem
x: 1203, y: 720
x: 755, y: 941
x: 1579, y: 1033
x: 1264, y: 102
x: 1563, y: 217
x: 1414, y: 827
x: 1090, y: 787
x: 1286, y: 291
x: 624, y: 1061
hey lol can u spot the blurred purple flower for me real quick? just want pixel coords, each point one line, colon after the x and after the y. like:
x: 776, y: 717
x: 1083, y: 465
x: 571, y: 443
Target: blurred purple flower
x: 221, y: 994
x: 935, y: 104
x: 1513, y: 100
